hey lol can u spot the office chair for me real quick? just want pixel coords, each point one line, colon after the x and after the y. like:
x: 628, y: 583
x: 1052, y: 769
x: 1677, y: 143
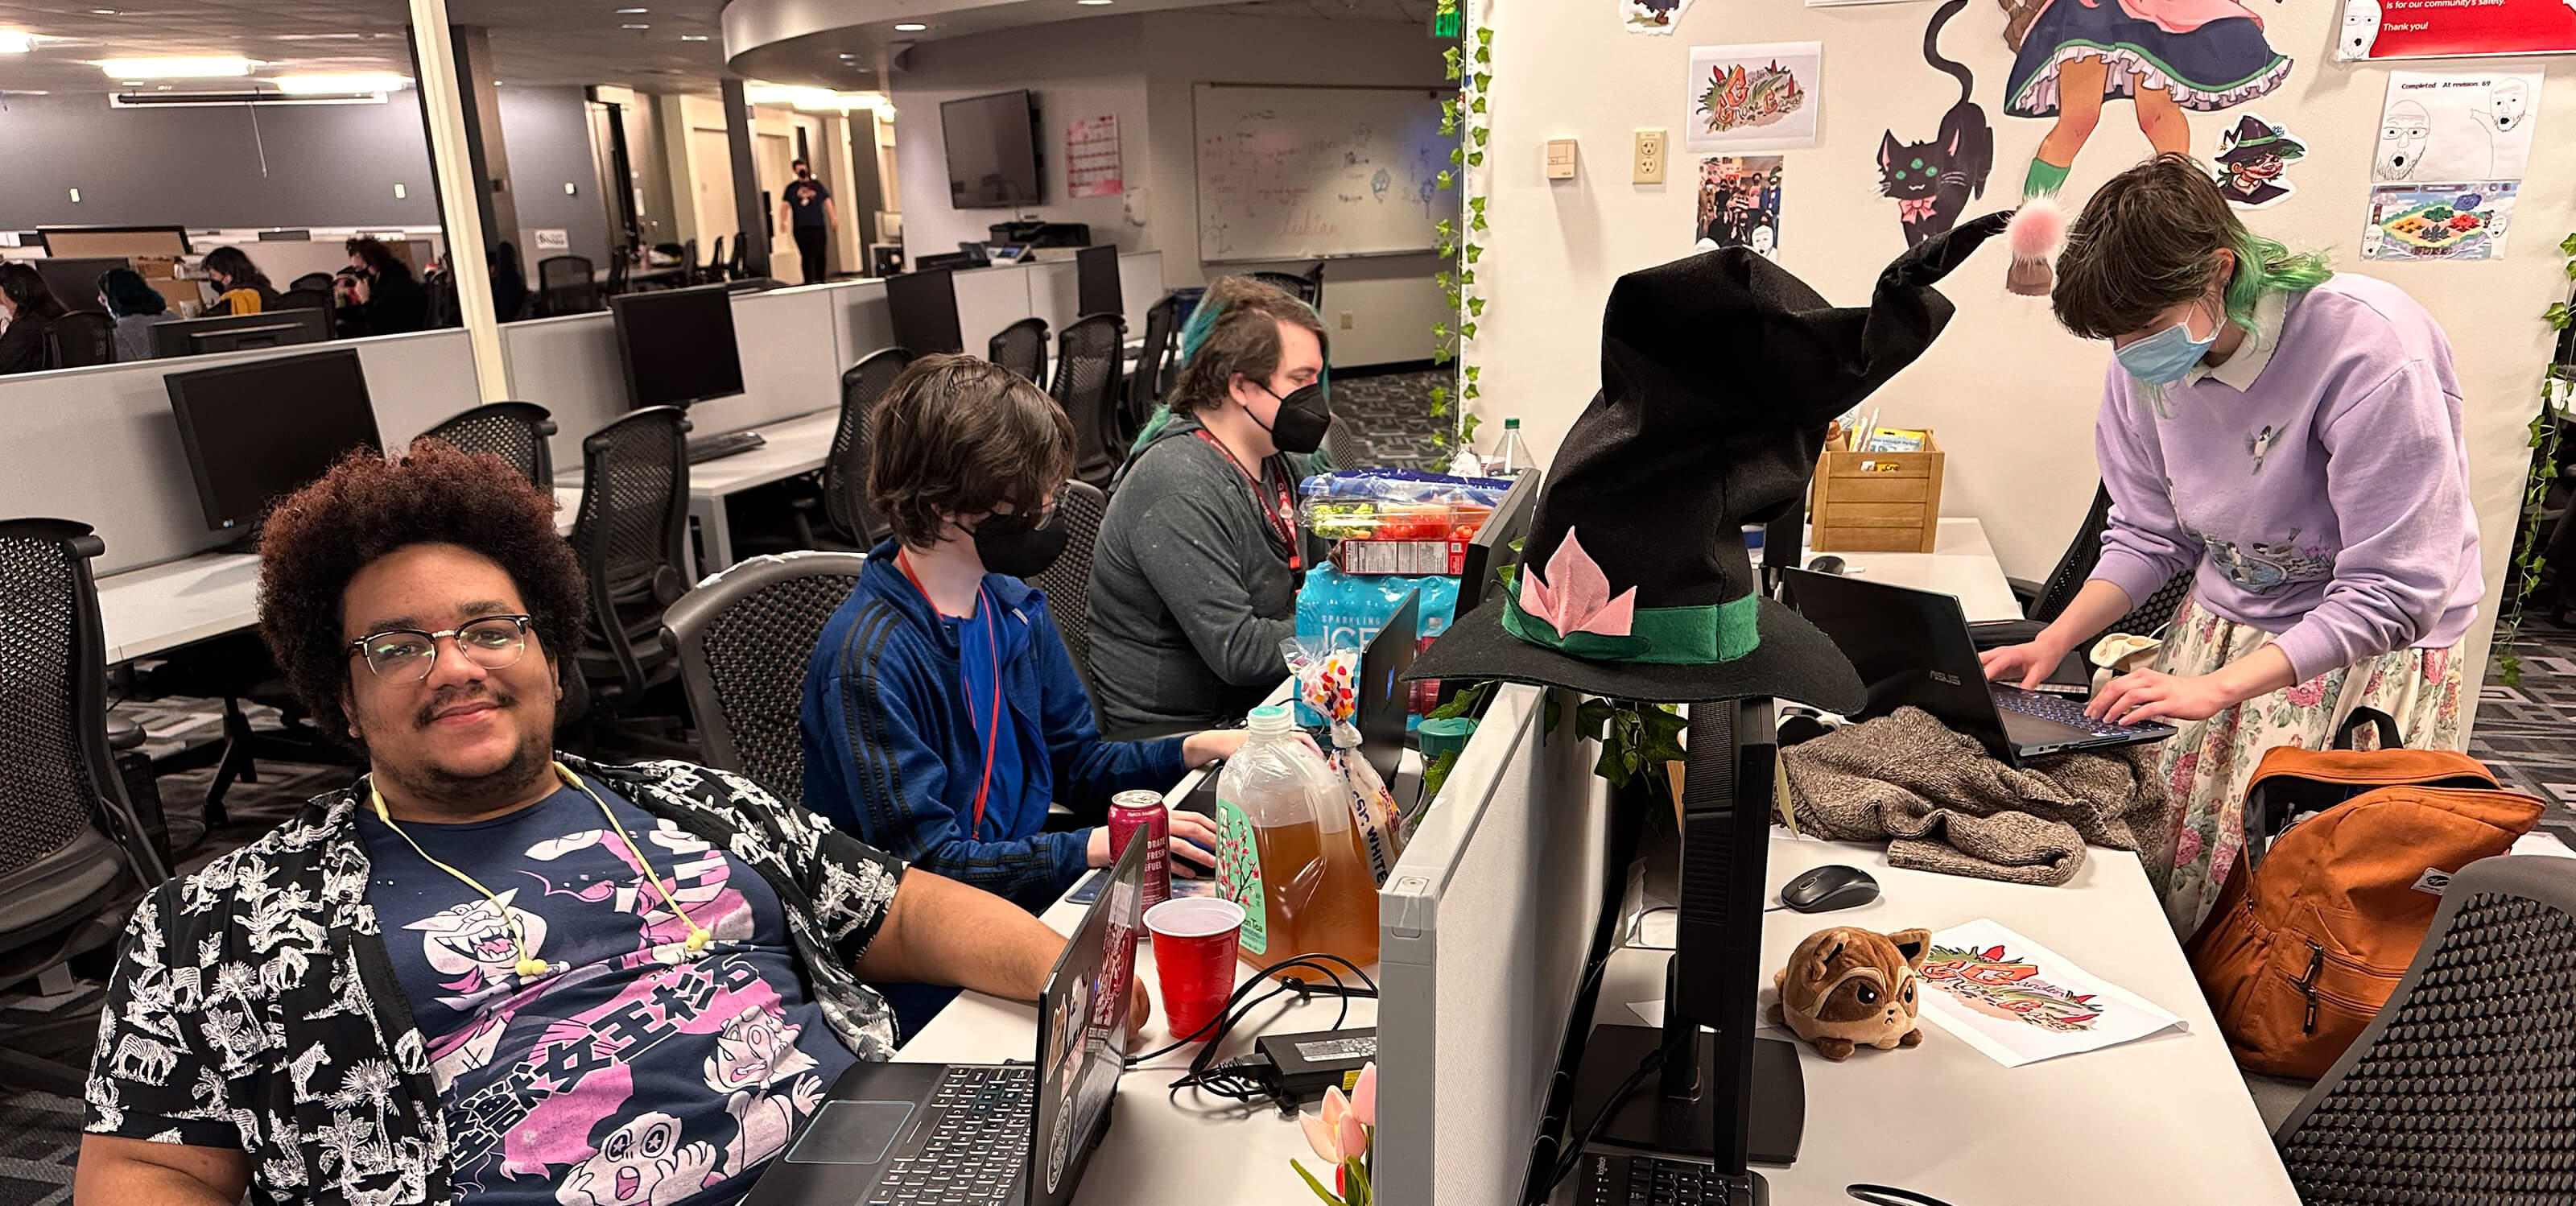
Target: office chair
x: 566, y: 285
x: 1021, y: 348
x: 2043, y: 602
x: 1086, y: 386
x: 691, y: 271
x: 1145, y: 385
x: 1067, y: 583
x: 617, y: 270
x: 1315, y: 286
x: 744, y: 638
x: 1306, y: 288
x: 2463, y: 1090
x: 630, y: 535
x: 311, y: 280
x: 850, y: 520
x: 739, y: 267
x: 1347, y: 442
x: 305, y: 299
x: 73, y: 853
x: 79, y: 339
x: 514, y: 431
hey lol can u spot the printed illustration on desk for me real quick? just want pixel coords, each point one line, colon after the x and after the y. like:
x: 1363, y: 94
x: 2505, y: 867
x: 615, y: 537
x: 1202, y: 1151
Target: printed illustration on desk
x: 1754, y: 98
x: 1739, y: 203
x: 2019, y: 1002
x: 1932, y: 181
x: 2165, y: 57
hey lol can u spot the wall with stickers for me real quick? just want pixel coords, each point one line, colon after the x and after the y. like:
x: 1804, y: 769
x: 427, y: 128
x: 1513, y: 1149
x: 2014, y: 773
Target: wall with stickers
x: 1832, y: 135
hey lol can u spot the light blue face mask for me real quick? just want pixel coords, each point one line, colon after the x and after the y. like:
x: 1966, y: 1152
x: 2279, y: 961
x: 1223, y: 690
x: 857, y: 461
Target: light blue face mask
x: 2164, y: 357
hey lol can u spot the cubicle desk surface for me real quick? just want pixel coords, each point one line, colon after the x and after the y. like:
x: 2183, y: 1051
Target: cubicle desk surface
x: 1961, y: 563
x: 2160, y: 1121
x: 161, y: 607
x: 793, y: 446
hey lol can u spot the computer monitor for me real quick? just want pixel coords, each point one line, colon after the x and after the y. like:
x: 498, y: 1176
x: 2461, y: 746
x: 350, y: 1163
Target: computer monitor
x: 924, y: 305
x: 1096, y: 281
x: 1384, y: 693
x: 239, y: 332
x: 256, y: 431
x: 1491, y: 550
x: 74, y: 279
x: 677, y: 345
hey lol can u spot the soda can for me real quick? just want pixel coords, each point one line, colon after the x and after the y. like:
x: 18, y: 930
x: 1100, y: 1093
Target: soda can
x: 1130, y: 811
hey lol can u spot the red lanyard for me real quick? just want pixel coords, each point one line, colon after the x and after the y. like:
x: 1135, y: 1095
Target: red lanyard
x: 993, y: 726
x: 1283, y: 521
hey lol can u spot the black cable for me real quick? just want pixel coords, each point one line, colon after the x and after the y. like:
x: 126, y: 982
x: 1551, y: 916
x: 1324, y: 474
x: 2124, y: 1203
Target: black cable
x: 1214, y: 1030
x: 1573, y: 1156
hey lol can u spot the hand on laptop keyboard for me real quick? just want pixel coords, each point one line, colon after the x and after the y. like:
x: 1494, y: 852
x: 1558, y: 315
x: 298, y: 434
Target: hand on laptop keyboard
x: 2058, y: 708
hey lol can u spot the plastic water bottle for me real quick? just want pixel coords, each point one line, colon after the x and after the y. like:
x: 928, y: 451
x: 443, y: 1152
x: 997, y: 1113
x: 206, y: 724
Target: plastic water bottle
x: 1515, y: 454
x: 1288, y: 851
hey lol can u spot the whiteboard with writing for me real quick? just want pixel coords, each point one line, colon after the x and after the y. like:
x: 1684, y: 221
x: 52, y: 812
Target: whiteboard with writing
x: 1289, y: 173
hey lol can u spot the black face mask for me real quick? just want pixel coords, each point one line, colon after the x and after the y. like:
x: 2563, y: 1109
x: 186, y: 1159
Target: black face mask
x: 1020, y: 552
x: 1302, y: 419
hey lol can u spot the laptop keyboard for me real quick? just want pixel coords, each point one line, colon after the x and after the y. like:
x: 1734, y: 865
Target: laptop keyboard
x: 976, y: 1142
x: 2043, y: 706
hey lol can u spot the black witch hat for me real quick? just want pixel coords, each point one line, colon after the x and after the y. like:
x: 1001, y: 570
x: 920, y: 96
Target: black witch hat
x: 1719, y: 376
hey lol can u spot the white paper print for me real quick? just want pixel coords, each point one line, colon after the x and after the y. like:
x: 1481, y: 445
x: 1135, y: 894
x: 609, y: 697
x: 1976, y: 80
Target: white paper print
x: 2438, y: 126
x: 1754, y: 98
x: 2020, y: 1002
x: 2360, y: 30
x: 1652, y: 16
x: 1091, y: 157
x: 2438, y: 221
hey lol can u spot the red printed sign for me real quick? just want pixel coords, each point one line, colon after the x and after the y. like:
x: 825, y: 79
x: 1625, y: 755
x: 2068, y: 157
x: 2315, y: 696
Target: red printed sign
x: 2419, y: 29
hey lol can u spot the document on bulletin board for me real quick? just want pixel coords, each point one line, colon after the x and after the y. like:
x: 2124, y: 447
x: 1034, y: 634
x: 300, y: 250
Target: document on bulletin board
x: 2435, y: 29
x: 1091, y: 160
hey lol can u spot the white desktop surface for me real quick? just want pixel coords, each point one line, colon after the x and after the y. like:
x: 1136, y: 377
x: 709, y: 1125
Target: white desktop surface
x: 160, y: 607
x: 2163, y: 1120
x: 1961, y: 563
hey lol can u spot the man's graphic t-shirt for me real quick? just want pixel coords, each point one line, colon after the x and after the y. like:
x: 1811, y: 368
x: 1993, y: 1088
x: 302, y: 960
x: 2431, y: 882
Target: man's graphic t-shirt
x: 805, y: 200
x: 631, y: 1071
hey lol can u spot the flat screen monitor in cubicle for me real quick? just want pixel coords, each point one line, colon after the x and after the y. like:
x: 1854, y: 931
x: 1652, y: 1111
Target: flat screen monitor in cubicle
x: 257, y: 431
x: 74, y: 279
x: 122, y: 242
x: 1096, y: 281
x: 992, y: 150
x: 924, y: 305
x: 239, y: 332
x: 677, y: 345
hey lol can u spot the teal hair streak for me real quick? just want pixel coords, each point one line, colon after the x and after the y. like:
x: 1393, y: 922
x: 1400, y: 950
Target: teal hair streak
x: 2264, y: 264
x: 1194, y: 335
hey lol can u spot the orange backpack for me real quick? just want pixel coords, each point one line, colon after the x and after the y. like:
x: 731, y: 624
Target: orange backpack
x: 2310, y: 937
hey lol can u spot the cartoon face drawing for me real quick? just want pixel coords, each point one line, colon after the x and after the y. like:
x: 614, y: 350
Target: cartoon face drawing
x: 2508, y: 104
x: 2360, y: 29
x: 475, y: 936
x: 756, y: 1048
x: 1764, y: 242
x: 640, y: 1164
x: 2401, y: 141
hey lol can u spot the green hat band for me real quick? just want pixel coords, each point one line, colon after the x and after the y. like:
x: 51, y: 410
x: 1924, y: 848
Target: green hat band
x: 1669, y: 636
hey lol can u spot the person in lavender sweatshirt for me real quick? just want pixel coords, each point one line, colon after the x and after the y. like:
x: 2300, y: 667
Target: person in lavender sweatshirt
x: 2291, y: 437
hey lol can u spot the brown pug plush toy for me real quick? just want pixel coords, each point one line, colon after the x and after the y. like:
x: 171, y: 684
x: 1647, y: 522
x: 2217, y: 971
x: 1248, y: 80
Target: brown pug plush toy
x: 1846, y: 987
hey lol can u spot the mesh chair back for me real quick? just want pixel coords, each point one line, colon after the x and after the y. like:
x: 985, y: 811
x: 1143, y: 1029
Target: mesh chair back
x: 305, y: 299
x: 513, y: 431
x: 59, y: 780
x: 564, y: 281
x: 845, y: 469
x: 739, y: 266
x: 1067, y: 583
x: 2076, y: 564
x: 1145, y: 389
x: 715, y: 265
x: 744, y: 638
x: 312, y: 280
x: 1021, y: 348
x: 628, y: 533
x: 1300, y: 287
x: 1347, y: 442
x: 79, y: 339
x: 1086, y: 386
x: 2159, y: 608
x: 1315, y: 286
x: 2463, y: 1090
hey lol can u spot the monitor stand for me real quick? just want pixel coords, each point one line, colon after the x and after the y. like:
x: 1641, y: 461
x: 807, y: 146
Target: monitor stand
x: 1720, y: 1096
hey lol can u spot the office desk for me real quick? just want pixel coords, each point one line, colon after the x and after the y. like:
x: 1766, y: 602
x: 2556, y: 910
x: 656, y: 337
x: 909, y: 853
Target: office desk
x: 1961, y: 563
x: 793, y: 446
x: 161, y: 607
x: 2159, y: 1121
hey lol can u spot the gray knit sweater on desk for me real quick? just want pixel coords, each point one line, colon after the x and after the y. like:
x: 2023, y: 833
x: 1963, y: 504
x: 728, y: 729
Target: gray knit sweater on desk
x: 1190, y: 596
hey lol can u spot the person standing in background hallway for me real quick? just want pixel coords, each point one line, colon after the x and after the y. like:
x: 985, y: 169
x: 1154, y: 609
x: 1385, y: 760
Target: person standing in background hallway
x: 805, y: 210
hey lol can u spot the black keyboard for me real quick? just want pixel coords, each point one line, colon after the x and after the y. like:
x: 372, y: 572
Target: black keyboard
x: 708, y: 448
x: 975, y: 1142
x: 1614, y: 1180
x: 2044, y: 706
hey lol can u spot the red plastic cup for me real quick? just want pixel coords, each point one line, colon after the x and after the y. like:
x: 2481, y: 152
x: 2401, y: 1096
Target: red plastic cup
x: 1194, y: 952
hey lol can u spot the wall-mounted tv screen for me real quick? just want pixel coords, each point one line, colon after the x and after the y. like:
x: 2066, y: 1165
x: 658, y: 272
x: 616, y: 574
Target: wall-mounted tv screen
x: 992, y: 150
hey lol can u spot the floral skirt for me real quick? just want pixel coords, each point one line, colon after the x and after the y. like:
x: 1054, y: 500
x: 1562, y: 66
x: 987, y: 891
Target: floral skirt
x: 2208, y: 762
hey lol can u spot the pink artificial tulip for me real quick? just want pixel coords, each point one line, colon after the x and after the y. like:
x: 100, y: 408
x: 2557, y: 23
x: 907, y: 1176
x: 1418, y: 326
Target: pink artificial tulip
x: 1364, y: 1095
x: 1353, y: 1139
x: 1327, y: 1145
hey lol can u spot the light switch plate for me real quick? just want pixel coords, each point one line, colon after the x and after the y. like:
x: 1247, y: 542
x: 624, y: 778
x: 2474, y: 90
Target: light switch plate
x: 1650, y: 157
x: 1560, y: 159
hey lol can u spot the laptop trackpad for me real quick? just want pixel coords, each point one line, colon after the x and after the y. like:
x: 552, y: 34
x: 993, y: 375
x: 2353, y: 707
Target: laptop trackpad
x: 851, y: 1132
x: 2024, y: 731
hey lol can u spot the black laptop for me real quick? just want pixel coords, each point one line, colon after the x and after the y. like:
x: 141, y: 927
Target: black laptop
x: 978, y: 1134
x: 1912, y: 647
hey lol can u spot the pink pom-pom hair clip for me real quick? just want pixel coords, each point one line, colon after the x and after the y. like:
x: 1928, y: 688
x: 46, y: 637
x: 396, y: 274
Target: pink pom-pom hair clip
x: 2035, y: 235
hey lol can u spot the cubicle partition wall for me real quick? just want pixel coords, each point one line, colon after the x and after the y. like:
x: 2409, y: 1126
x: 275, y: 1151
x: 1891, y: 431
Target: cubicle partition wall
x: 1483, y: 930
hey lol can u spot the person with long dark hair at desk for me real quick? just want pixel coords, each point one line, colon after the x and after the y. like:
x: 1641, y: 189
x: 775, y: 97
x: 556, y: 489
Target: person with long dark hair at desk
x: 136, y: 306
x: 240, y: 286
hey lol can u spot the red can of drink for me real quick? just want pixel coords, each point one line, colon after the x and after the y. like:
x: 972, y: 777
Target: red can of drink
x: 1130, y: 812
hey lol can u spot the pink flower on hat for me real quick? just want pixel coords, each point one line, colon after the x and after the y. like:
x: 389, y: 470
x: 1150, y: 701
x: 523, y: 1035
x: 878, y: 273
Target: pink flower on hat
x: 1579, y: 600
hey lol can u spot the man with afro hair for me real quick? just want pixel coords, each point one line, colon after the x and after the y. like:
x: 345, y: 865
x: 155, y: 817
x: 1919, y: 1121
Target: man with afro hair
x: 487, y: 972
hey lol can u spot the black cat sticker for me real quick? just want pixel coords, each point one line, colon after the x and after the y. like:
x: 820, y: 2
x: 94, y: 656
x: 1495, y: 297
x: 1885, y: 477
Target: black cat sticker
x: 1932, y: 181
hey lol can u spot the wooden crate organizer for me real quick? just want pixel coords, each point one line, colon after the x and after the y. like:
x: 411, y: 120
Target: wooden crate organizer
x: 1878, y: 502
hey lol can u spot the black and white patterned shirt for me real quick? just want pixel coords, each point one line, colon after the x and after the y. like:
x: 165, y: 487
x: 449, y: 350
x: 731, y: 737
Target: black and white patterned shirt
x: 255, y: 1006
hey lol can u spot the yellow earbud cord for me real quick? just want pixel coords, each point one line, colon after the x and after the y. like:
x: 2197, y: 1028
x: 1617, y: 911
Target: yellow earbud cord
x: 528, y: 965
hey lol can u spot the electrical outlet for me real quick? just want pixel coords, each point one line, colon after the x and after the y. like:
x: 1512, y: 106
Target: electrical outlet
x: 1346, y: 320
x: 1650, y: 158
x: 400, y: 192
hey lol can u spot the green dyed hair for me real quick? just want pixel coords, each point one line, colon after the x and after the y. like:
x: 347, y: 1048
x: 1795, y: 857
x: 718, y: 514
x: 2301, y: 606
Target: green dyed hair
x: 2149, y: 241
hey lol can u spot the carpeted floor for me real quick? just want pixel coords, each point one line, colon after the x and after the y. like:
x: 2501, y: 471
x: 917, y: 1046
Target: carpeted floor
x: 1393, y: 412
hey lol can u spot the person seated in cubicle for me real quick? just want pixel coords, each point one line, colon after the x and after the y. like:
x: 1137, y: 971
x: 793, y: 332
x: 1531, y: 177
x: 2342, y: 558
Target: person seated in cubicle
x: 240, y: 287
x: 942, y: 712
x: 390, y: 300
x: 488, y: 972
x: 136, y: 306
x: 30, y: 308
x: 1194, y: 582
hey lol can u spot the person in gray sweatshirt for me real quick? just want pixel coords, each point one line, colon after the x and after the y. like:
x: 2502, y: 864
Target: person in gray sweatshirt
x: 1194, y: 578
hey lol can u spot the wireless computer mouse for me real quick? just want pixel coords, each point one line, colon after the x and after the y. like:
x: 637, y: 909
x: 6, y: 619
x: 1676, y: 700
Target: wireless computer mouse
x: 1827, y: 564
x: 1829, y: 887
